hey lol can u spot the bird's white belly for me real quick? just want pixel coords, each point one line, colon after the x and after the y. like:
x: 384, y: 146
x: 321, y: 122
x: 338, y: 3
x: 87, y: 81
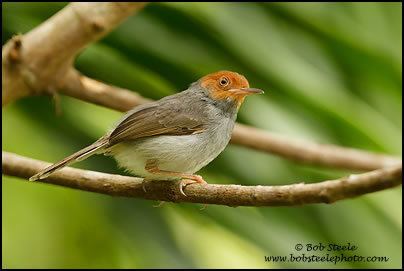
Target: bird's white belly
x: 185, y: 154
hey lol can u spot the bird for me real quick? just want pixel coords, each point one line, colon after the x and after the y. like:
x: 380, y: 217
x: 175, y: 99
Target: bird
x: 174, y: 137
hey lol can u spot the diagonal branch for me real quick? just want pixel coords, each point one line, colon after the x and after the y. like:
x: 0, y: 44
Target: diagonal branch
x: 93, y: 91
x: 310, y: 152
x: 231, y: 195
x: 37, y: 62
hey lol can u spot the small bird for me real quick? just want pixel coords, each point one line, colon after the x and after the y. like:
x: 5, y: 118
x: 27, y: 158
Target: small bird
x: 174, y: 137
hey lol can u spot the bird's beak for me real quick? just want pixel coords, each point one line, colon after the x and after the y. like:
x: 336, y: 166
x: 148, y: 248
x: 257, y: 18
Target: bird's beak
x: 246, y: 91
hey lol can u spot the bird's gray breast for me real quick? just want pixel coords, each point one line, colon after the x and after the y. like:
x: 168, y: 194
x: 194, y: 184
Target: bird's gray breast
x: 214, y: 139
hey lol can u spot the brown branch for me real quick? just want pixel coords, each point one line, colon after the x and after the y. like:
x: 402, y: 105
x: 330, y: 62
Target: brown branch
x: 38, y: 61
x: 310, y: 152
x: 41, y: 62
x: 93, y: 91
x: 231, y: 195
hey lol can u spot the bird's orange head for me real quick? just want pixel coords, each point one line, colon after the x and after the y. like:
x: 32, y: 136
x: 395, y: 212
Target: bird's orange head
x: 225, y: 85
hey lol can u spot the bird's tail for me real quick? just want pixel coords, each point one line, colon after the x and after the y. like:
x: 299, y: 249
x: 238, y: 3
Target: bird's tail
x: 75, y: 157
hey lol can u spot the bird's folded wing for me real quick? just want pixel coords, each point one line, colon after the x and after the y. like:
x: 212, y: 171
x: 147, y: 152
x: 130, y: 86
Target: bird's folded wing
x: 156, y: 120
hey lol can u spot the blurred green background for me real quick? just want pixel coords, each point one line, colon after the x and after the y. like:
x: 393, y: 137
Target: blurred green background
x: 332, y: 73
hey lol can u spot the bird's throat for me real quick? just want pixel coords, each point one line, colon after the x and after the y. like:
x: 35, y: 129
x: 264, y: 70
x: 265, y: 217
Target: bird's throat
x: 228, y: 106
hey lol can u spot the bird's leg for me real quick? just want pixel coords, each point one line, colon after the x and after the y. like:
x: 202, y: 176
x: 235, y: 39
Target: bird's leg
x: 186, y: 179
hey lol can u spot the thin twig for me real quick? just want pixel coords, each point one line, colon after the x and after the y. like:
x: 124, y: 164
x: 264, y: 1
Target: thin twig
x: 231, y: 195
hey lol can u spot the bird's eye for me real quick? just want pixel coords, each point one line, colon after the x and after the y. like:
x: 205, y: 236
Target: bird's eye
x: 224, y: 81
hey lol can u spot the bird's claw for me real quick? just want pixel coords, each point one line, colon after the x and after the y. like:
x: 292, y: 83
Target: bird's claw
x: 144, y: 182
x: 190, y: 180
x: 186, y: 180
x: 183, y: 183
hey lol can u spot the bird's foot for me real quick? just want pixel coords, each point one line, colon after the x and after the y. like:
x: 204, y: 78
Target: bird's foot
x: 190, y: 179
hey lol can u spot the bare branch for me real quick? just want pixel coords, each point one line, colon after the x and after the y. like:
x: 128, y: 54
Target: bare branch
x: 38, y: 61
x: 310, y: 152
x: 93, y: 91
x: 231, y: 195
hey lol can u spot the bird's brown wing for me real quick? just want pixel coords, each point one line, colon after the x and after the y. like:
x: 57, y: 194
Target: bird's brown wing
x: 156, y: 120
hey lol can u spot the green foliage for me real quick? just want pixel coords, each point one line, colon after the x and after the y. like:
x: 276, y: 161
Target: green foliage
x: 332, y: 74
